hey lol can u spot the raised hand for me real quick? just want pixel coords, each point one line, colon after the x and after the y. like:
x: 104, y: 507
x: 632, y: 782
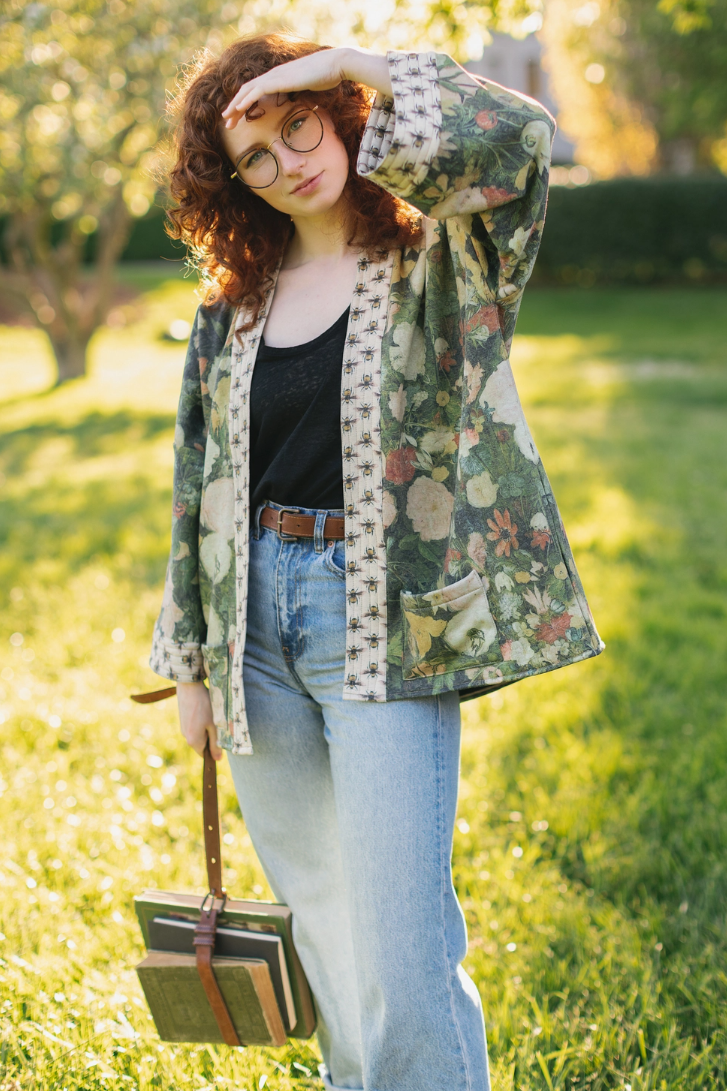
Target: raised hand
x: 317, y: 72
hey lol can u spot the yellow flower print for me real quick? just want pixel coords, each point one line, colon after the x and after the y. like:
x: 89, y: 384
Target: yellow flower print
x: 423, y: 629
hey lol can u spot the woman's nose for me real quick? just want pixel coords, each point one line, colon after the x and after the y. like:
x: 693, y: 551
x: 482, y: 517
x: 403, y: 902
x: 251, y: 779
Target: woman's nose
x: 290, y: 160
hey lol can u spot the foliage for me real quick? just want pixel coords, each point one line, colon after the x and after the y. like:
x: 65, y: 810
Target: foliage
x: 635, y: 230
x: 641, y: 84
x: 627, y: 230
x: 591, y: 842
x: 82, y: 98
x: 83, y: 89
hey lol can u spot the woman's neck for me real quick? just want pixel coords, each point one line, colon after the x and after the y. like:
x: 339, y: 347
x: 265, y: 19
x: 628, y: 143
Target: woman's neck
x: 318, y: 239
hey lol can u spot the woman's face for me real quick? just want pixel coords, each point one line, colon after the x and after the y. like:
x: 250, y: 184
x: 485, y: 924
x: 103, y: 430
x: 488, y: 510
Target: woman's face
x: 308, y: 183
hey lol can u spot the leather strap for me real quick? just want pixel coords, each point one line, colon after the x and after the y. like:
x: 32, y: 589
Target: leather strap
x: 155, y: 695
x: 211, y: 819
x: 204, y: 933
x: 204, y: 942
x: 290, y: 523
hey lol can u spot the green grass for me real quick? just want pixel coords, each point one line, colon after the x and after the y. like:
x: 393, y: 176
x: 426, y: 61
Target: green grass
x: 591, y: 849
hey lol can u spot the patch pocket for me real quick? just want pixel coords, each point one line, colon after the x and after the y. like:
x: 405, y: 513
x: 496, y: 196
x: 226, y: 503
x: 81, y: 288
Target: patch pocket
x: 449, y: 629
x: 217, y: 664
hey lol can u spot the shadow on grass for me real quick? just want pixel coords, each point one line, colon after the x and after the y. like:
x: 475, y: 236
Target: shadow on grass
x: 94, y: 434
x: 654, y: 323
x: 63, y: 522
x: 626, y: 757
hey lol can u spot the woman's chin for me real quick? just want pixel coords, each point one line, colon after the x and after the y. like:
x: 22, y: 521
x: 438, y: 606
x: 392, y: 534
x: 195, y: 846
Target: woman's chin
x: 322, y: 200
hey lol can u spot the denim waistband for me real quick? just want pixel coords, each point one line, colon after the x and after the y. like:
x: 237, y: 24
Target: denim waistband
x: 321, y: 514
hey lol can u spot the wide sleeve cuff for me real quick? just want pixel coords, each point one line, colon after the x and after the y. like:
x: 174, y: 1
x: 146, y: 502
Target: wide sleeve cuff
x: 179, y: 662
x: 402, y: 134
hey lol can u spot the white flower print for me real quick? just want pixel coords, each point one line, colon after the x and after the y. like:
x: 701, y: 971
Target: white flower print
x: 519, y: 241
x: 509, y: 605
x: 215, y: 555
x: 435, y: 441
x: 500, y: 394
x: 521, y: 652
x: 389, y: 512
x: 429, y: 506
x: 171, y: 614
x: 473, y: 378
x: 407, y: 351
x: 397, y: 403
x: 218, y: 506
x: 472, y: 630
x: 536, y: 138
x: 481, y: 490
x: 503, y: 582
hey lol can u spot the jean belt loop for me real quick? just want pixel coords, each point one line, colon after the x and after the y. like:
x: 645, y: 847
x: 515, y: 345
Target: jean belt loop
x: 318, y: 540
x: 256, y: 522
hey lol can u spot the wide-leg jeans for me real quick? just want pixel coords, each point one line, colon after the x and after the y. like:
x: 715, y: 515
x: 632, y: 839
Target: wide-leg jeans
x: 350, y: 806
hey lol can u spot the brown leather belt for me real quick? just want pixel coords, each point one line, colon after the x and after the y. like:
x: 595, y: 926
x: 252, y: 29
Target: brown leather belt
x: 289, y: 524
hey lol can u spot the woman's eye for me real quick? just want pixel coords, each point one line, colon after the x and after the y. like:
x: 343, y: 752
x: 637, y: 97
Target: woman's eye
x: 254, y: 159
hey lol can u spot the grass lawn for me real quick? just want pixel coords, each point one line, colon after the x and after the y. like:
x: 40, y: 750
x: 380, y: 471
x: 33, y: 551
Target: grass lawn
x: 591, y: 843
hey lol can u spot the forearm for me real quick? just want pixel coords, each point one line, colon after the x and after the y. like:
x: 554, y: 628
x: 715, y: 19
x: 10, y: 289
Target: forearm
x: 363, y: 66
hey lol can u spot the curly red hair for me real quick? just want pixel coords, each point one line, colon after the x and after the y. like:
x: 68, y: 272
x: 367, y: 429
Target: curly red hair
x: 236, y: 238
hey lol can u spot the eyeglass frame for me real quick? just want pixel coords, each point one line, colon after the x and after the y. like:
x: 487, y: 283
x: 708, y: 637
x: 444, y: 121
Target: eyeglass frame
x: 303, y: 109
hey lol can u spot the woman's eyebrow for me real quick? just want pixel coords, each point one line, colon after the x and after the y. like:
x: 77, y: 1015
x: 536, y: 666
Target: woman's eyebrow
x: 295, y: 106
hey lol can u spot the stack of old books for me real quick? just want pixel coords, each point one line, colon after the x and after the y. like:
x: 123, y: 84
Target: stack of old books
x: 253, y: 960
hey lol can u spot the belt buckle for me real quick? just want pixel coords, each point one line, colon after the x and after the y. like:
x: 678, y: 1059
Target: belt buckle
x: 286, y: 537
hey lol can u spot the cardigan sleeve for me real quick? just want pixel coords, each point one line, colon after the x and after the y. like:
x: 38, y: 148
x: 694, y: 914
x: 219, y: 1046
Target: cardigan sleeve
x: 180, y: 628
x: 455, y: 145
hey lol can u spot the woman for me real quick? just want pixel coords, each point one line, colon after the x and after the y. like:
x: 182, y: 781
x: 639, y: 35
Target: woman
x: 363, y: 530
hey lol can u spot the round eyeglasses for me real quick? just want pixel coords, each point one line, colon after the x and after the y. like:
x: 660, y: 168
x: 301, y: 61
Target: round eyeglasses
x: 301, y: 132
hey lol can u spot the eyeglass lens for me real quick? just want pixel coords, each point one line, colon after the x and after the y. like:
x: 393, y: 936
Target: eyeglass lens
x: 302, y: 132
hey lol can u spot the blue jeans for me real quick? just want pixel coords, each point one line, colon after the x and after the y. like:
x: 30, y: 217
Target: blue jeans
x: 350, y: 806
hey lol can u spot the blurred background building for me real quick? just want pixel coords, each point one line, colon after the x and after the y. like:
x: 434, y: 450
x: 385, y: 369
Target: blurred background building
x: 518, y: 63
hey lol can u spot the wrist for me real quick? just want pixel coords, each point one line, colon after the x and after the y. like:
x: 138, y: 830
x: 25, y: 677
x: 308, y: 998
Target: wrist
x: 364, y: 66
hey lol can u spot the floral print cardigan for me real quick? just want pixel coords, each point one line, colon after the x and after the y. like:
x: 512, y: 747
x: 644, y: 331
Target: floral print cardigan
x: 459, y: 574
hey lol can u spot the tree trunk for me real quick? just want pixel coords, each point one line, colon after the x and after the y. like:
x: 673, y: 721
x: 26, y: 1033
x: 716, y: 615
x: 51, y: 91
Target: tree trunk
x: 69, y: 301
x: 70, y: 356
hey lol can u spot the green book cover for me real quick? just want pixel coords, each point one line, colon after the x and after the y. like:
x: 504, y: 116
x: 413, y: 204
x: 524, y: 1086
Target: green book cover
x: 251, y: 915
x: 182, y: 1012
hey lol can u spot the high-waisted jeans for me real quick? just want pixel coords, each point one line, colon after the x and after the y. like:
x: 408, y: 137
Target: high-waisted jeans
x: 350, y: 806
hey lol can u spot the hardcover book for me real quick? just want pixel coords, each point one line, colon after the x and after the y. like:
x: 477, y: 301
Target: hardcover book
x: 163, y: 915
x: 176, y: 934
x: 182, y: 1012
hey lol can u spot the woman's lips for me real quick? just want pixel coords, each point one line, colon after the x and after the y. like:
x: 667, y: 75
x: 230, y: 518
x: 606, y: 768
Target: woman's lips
x: 307, y: 187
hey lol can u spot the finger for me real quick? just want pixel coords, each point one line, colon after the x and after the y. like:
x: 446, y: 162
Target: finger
x: 193, y: 739
x: 215, y: 749
x: 254, y: 91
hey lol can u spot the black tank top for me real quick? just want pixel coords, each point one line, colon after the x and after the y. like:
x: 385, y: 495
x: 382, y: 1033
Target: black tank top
x: 295, y: 422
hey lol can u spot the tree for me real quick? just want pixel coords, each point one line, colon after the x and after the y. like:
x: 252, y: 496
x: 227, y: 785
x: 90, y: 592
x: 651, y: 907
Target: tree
x: 640, y: 83
x: 83, y: 89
